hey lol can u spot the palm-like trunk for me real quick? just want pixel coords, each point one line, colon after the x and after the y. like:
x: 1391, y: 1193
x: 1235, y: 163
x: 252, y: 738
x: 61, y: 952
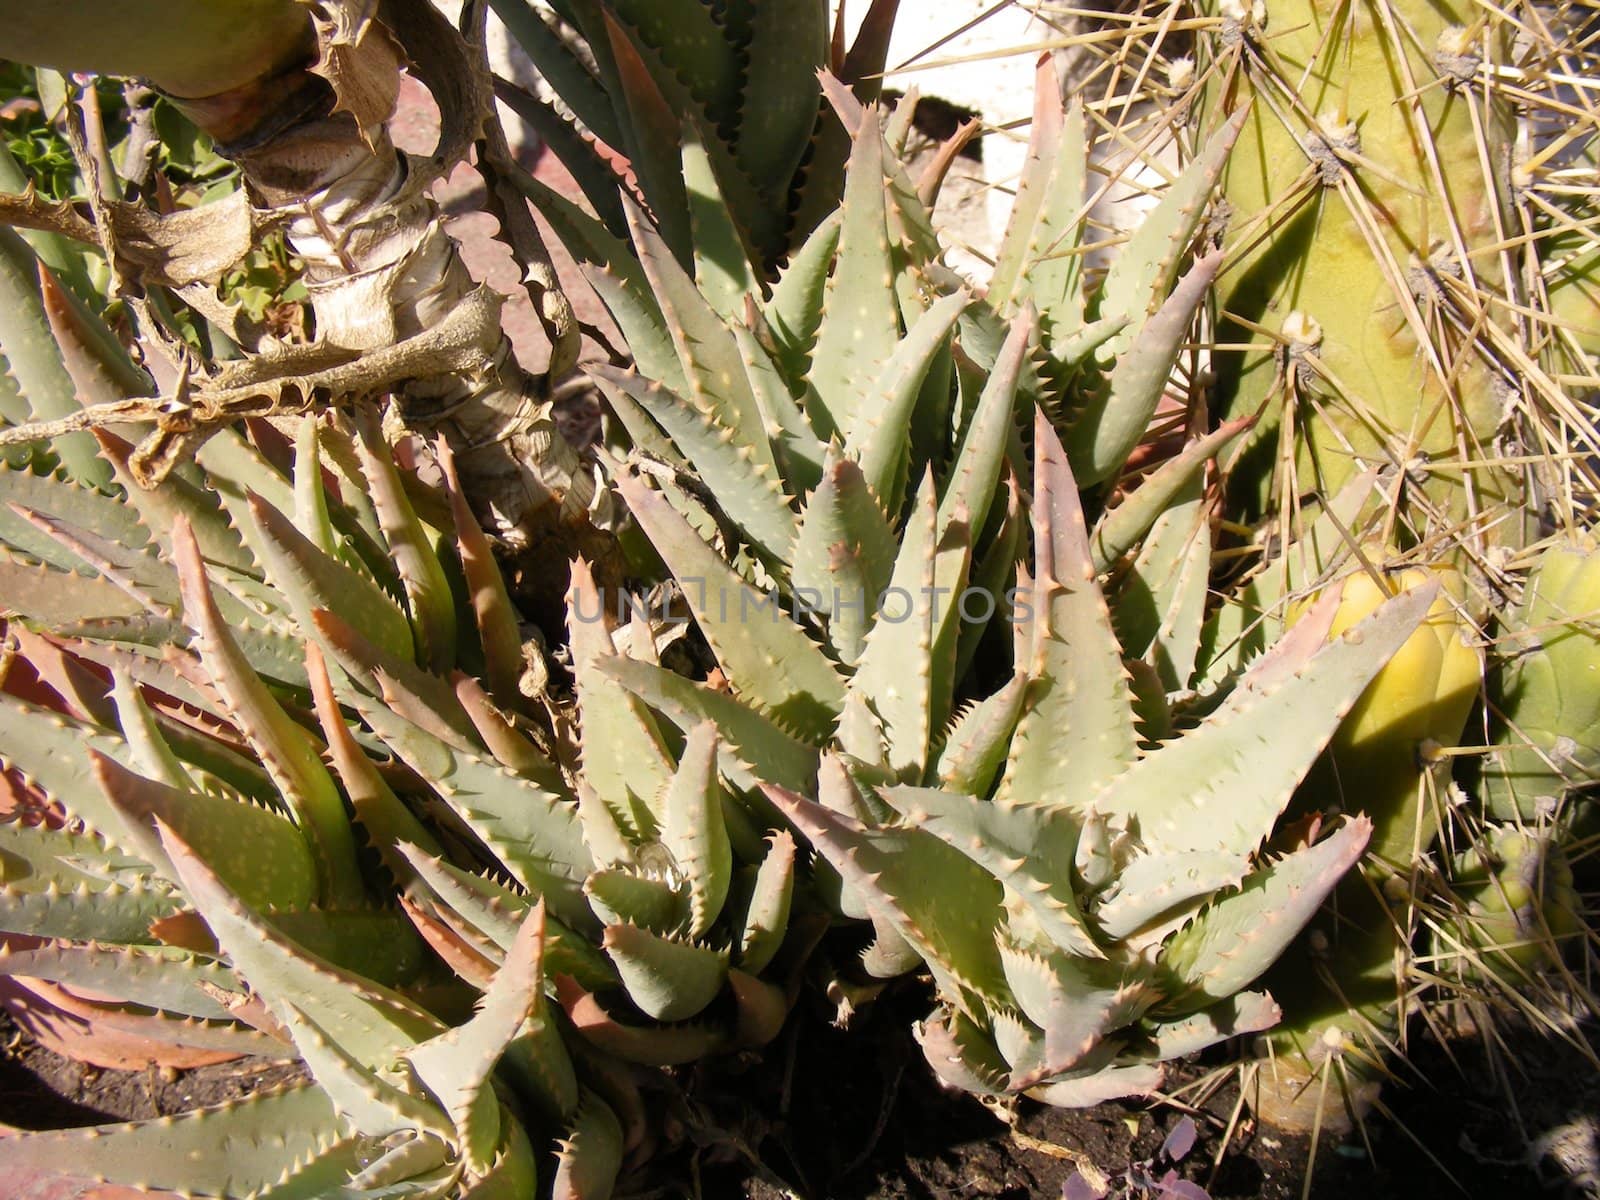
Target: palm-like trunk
x: 302, y: 107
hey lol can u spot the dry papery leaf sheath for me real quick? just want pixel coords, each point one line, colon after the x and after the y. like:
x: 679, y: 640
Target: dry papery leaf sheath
x: 305, y: 117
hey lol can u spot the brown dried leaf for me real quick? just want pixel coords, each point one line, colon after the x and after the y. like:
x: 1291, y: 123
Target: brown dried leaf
x: 188, y: 246
x: 361, y: 59
x: 28, y: 211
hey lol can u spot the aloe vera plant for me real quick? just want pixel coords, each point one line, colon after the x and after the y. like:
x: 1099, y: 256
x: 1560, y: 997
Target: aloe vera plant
x: 832, y: 498
x: 284, y: 631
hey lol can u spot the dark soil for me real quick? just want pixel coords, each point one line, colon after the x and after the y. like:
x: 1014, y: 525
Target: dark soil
x: 40, y: 1089
x: 831, y: 1115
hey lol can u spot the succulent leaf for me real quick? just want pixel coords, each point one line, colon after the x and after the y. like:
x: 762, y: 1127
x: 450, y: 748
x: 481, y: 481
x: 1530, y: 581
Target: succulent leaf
x: 372, y: 1022
x: 861, y: 321
x: 843, y: 555
x: 1242, y: 934
x: 1223, y: 784
x: 234, y: 1151
x: 952, y: 925
x: 692, y: 829
x: 780, y: 670
x: 668, y: 979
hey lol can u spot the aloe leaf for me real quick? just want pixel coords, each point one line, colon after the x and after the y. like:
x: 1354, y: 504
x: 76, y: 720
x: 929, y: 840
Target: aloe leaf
x: 566, y: 73
x: 33, y: 590
x: 261, y: 856
x: 310, y: 499
x: 1255, y: 613
x: 498, y: 627
x: 535, y: 834
x: 879, y: 437
x: 1028, y: 847
x: 618, y: 279
x: 707, y: 353
x: 668, y: 979
x: 624, y: 758
x: 539, y: 1061
x: 220, y: 542
x: 862, y: 68
x: 764, y: 911
x: 456, y: 1066
x: 151, y: 752
x: 1120, y: 529
x: 974, y: 477
x: 85, y: 912
x: 974, y: 746
x: 1162, y: 599
x: 747, y: 486
x: 514, y: 1173
x: 36, y: 857
x: 844, y: 555
x: 59, y: 761
x: 156, y: 976
x: 1246, y: 1012
x: 70, y: 503
x: 138, y: 572
x: 1243, y: 933
x: 693, y: 45
x: 1078, y: 710
x: 794, y: 313
x: 428, y: 594
x: 776, y: 666
x: 370, y: 1021
x: 650, y: 133
x: 1223, y: 784
x: 1165, y: 888
x: 32, y: 359
x: 693, y: 832
x: 941, y: 902
x: 754, y: 749
x: 1099, y: 1085
x: 721, y: 259
x: 904, y: 673
x: 861, y: 321
x: 1102, y: 434
x: 589, y: 1156
x: 507, y: 742
x: 388, y: 822
x: 416, y: 1169
x: 587, y: 162
x: 233, y: 1151
x: 497, y: 913
x: 622, y: 896
x: 653, y: 1045
x: 795, y: 446
x: 961, y: 1054
x: 780, y: 103
x: 1077, y: 1002
x: 362, y: 1097
x: 379, y: 944
x: 1147, y: 264
x: 421, y: 698
x: 1038, y: 260
x: 311, y: 579
x: 288, y: 751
